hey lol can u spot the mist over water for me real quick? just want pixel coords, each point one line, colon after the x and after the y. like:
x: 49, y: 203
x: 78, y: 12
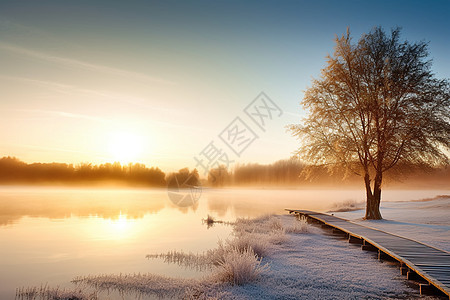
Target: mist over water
x: 51, y: 235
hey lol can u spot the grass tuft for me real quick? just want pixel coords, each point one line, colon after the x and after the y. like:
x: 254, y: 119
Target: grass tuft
x: 210, y: 221
x: 240, y: 267
x: 299, y: 225
x: 258, y: 243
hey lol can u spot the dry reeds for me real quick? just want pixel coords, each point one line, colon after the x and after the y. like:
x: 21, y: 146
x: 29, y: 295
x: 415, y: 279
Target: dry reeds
x: 195, y: 261
x: 139, y: 284
x: 45, y: 292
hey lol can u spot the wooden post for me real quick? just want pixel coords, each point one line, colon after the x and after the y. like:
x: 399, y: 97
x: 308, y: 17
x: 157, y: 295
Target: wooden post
x: 354, y: 240
x: 426, y: 289
x: 411, y: 275
x: 368, y: 247
x: 403, y: 270
x: 338, y: 231
x: 384, y: 256
x: 381, y: 255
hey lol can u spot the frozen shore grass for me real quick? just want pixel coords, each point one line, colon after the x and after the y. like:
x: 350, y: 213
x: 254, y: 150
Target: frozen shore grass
x: 347, y: 205
x: 237, y: 261
x: 139, y: 284
x: 47, y: 293
x: 258, y: 235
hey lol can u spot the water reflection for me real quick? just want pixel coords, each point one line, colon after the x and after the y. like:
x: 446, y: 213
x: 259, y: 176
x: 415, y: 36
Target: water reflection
x: 118, y: 229
x: 130, y: 204
x: 16, y: 203
x: 55, y: 235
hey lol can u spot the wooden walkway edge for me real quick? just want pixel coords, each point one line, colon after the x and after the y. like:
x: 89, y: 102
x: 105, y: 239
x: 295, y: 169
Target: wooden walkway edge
x: 418, y: 261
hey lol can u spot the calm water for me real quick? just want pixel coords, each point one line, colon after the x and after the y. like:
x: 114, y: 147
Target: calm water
x: 51, y: 235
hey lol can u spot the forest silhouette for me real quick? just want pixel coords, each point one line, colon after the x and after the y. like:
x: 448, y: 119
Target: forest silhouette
x: 12, y: 170
x: 283, y: 173
x: 294, y: 173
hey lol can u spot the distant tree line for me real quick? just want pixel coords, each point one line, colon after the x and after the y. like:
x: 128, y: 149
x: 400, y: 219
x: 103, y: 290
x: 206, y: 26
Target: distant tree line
x: 289, y: 172
x: 183, y: 179
x: 282, y: 172
x: 293, y: 172
x: 12, y: 170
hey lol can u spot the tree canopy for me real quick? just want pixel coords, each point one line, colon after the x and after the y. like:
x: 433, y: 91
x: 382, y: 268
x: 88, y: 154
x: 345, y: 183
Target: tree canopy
x: 376, y: 104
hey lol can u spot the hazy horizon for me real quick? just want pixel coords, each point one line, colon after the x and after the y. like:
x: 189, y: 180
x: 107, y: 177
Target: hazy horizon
x: 282, y: 174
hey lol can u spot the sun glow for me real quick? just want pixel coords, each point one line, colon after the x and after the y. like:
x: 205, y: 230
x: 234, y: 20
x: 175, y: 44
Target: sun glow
x: 125, y: 147
x: 119, y: 228
x: 121, y: 225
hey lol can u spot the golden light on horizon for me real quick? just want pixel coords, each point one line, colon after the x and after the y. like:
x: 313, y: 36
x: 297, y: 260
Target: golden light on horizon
x: 125, y: 147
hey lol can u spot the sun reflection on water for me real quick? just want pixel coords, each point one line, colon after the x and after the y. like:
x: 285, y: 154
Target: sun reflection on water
x: 118, y: 228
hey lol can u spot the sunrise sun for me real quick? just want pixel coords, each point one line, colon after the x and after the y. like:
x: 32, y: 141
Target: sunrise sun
x: 125, y: 147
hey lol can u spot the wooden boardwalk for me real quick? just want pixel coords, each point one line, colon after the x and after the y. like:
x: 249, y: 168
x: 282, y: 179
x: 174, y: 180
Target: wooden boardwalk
x: 418, y: 261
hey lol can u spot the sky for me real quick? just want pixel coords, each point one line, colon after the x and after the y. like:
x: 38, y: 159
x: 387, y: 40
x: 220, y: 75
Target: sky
x: 167, y: 83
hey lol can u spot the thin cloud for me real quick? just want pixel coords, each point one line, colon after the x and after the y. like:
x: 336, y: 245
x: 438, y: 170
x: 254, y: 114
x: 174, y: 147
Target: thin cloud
x: 81, y: 64
x: 63, y: 114
x: 141, y: 102
x: 62, y: 88
x: 14, y: 28
x: 70, y: 89
x: 75, y: 116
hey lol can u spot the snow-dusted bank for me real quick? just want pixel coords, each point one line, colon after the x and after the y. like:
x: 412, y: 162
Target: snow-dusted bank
x: 281, y: 257
x: 426, y: 220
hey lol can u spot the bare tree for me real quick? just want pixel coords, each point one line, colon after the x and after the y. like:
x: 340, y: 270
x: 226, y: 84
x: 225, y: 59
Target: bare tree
x: 377, y: 103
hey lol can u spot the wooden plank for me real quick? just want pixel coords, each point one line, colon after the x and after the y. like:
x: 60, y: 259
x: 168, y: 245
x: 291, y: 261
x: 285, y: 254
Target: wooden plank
x: 427, y: 262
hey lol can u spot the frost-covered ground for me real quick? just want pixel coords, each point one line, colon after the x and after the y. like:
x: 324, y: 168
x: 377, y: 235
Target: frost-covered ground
x: 318, y: 265
x: 426, y: 221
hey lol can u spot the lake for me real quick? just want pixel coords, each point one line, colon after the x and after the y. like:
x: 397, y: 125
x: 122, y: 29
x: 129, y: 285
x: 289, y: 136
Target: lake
x: 51, y: 235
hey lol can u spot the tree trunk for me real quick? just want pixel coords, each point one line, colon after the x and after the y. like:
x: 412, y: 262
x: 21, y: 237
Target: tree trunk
x: 373, y: 198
